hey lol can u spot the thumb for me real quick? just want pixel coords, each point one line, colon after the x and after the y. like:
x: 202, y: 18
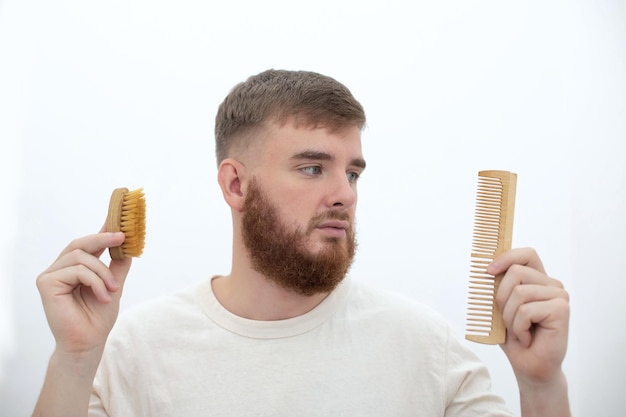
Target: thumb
x: 120, y: 269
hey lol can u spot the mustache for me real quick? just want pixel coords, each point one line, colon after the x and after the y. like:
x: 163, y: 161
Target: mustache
x: 330, y: 215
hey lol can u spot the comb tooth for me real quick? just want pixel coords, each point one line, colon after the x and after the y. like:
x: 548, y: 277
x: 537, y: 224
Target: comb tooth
x: 481, y: 293
x: 480, y: 322
x: 484, y: 287
x: 486, y: 231
x: 489, y: 209
x: 478, y: 260
x: 480, y: 225
x: 481, y: 299
x: 483, y: 237
x: 484, y: 245
x: 485, y: 224
x: 495, y: 198
x: 487, y: 227
x: 480, y: 277
x: 486, y: 249
x: 490, y: 195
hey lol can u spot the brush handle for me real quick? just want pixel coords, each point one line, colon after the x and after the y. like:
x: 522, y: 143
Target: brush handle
x: 114, y: 219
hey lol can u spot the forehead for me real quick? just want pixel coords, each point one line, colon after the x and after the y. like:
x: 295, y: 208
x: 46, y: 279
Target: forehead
x: 285, y: 140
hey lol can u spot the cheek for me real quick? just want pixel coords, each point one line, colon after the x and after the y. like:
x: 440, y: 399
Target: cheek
x: 296, y: 202
x: 298, y: 210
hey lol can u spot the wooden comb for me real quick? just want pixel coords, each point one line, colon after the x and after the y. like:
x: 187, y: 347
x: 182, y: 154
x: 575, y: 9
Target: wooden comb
x: 493, y: 232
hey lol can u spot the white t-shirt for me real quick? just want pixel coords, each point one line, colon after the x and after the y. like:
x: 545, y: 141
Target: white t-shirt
x: 359, y: 353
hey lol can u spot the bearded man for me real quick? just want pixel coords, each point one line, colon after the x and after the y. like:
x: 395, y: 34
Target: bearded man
x: 286, y: 332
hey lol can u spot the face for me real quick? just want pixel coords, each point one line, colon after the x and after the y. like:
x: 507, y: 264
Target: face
x: 298, y: 216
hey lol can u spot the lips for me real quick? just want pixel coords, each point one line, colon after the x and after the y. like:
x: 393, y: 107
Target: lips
x: 334, y: 228
x: 335, y: 224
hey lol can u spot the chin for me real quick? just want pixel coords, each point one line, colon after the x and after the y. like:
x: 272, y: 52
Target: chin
x: 327, y: 243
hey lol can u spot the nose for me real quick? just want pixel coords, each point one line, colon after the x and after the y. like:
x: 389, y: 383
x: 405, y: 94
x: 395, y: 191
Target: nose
x: 342, y: 192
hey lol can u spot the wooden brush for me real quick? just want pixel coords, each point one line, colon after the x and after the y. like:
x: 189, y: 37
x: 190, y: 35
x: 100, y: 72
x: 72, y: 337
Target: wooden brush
x: 493, y: 227
x: 127, y: 213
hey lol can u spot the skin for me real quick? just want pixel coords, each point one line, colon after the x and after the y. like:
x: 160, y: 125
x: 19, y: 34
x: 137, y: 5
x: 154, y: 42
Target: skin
x: 535, y: 308
x: 304, y: 172
x: 81, y: 296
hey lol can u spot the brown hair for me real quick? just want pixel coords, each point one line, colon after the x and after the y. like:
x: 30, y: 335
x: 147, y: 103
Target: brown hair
x: 311, y: 99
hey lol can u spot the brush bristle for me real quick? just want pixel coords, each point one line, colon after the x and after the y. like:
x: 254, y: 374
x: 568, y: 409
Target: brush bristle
x: 133, y: 222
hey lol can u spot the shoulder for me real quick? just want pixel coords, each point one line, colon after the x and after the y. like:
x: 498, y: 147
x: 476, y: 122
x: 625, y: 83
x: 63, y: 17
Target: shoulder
x: 159, y: 315
x: 369, y: 297
x: 394, y: 309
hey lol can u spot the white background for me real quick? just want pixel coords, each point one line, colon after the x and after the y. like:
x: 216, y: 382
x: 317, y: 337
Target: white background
x: 97, y: 95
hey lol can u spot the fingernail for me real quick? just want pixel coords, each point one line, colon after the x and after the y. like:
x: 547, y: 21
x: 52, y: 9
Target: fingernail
x: 116, y: 235
x: 111, y: 283
x: 107, y: 298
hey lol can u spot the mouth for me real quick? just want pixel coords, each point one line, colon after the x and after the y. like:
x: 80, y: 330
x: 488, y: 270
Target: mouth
x: 334, y: 228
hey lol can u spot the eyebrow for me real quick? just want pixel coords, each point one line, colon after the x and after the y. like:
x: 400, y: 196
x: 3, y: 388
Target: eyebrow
x: 324, y: 156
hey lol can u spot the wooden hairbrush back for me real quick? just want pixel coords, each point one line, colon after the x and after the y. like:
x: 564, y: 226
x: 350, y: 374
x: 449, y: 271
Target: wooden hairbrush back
x: 493, y: 232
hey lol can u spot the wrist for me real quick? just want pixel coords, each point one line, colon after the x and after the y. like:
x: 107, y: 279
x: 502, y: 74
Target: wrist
x: 544, y: 397
x: 68, y: 383
x: 82, y: 364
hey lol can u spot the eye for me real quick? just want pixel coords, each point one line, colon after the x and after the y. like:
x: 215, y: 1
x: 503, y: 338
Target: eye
x: 312, y: 170
x: 352, y: 176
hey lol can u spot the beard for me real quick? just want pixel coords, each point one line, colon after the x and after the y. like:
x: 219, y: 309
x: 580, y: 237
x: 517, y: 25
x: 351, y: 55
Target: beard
x: 281, y: 254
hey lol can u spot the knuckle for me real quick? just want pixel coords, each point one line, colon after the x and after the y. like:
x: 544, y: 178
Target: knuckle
x: 558, y: 283
x: 524, y: 310
x: 515, y: 270
x: 40, y: 280
x: 73, y: 245
x: 80, y: 269
x: 521, y: 292
x: 563, y: 306
x: 532, y: 252
x: 565, y: 295
x: 74, y: 254
x: 501, y: 299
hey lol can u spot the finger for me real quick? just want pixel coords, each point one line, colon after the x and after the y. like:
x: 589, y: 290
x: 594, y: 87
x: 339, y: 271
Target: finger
x: 95, y: 244
x: 521, y: 256
x: 541, y: 316
x: 524, y: 298
x: 99, y: 252
x: 65, y: 281
x: 119, y: 270
x: 118, y: 267
x: 520, y: 276
x: 89, y: 261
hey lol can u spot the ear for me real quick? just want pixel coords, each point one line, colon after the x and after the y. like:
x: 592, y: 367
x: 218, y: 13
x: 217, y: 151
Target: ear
x: 232, y: 177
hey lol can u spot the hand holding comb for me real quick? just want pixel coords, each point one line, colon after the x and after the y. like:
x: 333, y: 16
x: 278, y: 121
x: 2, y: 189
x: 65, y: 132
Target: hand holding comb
x: 493, y: 232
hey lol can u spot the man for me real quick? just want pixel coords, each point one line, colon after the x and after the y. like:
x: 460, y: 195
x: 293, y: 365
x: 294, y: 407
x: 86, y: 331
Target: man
x: 285, y: 333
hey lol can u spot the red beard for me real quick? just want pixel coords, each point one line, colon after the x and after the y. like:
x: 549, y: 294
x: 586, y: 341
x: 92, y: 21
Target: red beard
x: 281, y: 255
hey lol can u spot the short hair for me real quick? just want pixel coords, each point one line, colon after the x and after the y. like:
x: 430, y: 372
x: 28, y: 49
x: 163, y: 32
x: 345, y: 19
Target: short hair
x: 311, y: 99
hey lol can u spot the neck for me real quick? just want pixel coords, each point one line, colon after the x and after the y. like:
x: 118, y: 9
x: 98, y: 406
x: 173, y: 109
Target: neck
x: 250, y: 295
